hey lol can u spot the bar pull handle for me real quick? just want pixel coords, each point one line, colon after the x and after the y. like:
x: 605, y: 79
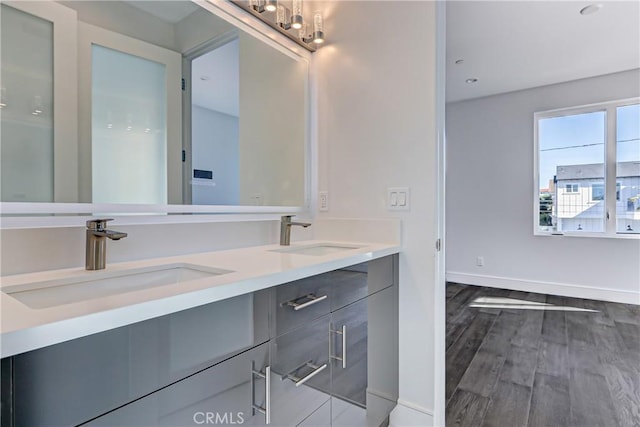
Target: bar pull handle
x: 343, y: 332
x: 266, y: 409
x: 301, y: 380
x: 297, y: 305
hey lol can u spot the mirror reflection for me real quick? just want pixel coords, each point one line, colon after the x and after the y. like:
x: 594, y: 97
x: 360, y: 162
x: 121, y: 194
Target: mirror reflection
x: 174, y: 105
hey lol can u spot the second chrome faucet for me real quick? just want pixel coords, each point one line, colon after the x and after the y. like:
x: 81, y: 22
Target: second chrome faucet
x: 285, y: 229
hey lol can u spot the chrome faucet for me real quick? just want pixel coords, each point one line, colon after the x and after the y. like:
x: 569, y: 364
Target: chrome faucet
x: 285, y: 229
x: 96, y: 250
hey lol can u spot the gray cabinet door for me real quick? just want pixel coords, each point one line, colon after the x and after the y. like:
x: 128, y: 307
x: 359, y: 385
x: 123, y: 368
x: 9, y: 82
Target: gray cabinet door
x: 365, y: 388
x: 75, y: 381
x: 223, y: 395
x: 382, y: 352
x: 300, y: 371
x: 349, y: 352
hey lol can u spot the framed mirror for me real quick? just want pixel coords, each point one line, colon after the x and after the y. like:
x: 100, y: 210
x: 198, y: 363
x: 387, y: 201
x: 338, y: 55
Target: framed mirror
x: 150, y: 103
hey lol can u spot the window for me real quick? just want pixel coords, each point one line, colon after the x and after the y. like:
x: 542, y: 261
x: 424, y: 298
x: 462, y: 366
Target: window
x: 585, y: 155
x: 572, y: 188
x: 597, y: 191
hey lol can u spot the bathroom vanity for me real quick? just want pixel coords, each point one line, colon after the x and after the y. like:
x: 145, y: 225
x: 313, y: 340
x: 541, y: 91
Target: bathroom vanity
x: 320, y: 349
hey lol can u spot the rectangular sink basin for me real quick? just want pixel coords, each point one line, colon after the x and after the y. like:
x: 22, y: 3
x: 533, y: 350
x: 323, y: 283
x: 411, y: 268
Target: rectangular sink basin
x: 56, y: 292
x: 317, y: 249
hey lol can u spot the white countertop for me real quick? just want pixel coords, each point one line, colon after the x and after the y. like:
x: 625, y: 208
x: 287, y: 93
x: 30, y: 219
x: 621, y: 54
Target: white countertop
x: 24, y: 328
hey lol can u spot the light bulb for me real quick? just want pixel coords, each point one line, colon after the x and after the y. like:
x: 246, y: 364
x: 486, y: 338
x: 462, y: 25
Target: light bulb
x: 318, y: 28
x: 270, y: 5
x: 296, y: 18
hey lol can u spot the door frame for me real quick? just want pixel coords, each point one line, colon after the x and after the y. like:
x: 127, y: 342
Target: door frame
x: 88, y: 35
x: 187, y: 59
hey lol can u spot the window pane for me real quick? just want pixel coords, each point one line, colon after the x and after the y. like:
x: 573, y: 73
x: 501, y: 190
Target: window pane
x: 571, y: 166
x: 26, y: 100
x: 628, y: 169
x: 128, y: 129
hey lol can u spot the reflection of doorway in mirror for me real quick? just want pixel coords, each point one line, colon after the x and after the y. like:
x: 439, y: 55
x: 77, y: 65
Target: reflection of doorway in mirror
x: 215, y: 97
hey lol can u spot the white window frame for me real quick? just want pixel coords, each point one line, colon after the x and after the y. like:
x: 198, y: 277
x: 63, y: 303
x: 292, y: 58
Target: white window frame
x: 609, y: 108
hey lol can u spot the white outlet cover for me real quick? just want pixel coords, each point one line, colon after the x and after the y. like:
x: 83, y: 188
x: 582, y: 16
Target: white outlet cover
x: 323, y: 201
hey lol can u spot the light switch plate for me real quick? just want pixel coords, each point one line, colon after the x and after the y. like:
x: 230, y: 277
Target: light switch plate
x: 398, y: 199
x: 323, y: 201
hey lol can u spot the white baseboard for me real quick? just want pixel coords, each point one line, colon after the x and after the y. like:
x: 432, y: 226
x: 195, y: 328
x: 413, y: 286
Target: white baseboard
x: 407, y: 414
x: 563, y: 289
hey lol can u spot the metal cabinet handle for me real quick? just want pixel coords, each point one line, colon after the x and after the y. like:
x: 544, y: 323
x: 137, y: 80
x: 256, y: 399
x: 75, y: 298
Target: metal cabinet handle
x: 313, y: 299
x: 342, y: 331
x: 299, y: 381
x: 266, y: 409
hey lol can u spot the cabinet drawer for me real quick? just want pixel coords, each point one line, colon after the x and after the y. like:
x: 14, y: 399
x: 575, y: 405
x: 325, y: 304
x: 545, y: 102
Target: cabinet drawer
x: 297, y: 303
x: 220, y: 395
x: 300, y: 357
x: 355, y: 282
x: 72, y: 382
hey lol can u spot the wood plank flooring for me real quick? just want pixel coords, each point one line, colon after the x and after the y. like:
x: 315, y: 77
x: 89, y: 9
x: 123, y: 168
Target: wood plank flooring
x: 510, y: 367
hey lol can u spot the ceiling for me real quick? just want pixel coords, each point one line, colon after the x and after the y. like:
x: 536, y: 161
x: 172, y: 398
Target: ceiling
x: 220, y: 89
x: 515, y: 45
x: 168, y: 11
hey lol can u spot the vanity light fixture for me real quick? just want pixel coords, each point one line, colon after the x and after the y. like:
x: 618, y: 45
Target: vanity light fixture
x: 303, y: 33
x: 318, y: 28
x: 257, y: 5
x: 270, y: 5
x: 471, y: 81
x: 283, y: 17
x: 288, y: 21
x: 296, y: 18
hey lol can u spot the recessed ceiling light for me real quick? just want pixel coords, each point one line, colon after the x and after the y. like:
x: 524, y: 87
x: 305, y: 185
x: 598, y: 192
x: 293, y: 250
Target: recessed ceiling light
x: 592, y: 8
x: 459, y: 61
x: 471, y: 80
x: 204, y: 78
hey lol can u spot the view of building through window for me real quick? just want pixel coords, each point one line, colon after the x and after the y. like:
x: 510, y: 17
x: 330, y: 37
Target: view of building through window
x: 571, y: 160
x: 628, y: 168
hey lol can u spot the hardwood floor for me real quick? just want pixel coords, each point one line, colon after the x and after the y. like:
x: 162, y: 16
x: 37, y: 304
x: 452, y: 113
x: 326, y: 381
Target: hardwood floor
x: 510, y: 367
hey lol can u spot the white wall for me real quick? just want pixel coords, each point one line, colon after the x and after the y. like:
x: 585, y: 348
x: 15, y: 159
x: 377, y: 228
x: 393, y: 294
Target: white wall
x: 214, y: 143
x: 376, y: 115
x: 125, y: 19
x: 490, y: 200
